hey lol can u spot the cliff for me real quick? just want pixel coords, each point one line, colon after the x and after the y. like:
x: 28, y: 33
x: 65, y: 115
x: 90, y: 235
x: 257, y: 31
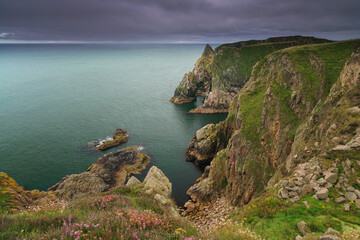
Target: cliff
x: 295, y: 129
x: 219, y: 74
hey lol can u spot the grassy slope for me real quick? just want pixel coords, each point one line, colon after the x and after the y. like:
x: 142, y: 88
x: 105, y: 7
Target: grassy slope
x: 123, y: 213
x: 268, y: 216
x: 334, y: 55
x: 240, y: 61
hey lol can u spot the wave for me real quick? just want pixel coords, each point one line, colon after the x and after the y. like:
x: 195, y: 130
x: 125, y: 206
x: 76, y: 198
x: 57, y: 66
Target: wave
x: 100, y: 141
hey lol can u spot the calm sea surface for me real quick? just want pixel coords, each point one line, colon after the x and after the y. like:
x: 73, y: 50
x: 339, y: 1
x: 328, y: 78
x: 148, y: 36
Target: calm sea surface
x: 56, y: 99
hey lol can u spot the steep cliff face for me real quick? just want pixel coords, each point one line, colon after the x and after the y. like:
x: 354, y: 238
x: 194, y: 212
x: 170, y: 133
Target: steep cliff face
x: 219, y: 74
x: 300, y: 103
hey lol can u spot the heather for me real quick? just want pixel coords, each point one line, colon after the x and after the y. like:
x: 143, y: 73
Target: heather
x: 107, y: 216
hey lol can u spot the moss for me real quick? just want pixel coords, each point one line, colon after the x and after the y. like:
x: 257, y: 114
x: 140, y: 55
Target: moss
x: 251, y: 107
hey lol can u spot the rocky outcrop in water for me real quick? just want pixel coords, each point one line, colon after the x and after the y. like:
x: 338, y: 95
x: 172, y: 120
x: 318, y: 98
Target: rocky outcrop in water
x: 219, y: 74
x: 120, y: 136
x: 110, y: 170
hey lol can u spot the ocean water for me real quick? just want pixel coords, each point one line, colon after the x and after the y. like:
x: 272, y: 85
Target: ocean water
x: 56, y: 99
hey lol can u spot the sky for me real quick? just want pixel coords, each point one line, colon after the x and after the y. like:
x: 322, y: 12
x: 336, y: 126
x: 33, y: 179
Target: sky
x: 175, y: 21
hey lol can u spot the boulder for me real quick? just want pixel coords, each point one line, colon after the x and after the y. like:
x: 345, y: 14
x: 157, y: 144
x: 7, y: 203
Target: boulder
x: 160, y: 198
x: 331, y: 231
x: 322, y: 194
x: 329, y: 237
x: 357, y: 192
x: 331, y: 177
x: 294, y: 199
x: 190, y: 206
x: 303, y: 227
x: 357, y: 203
x: 321, y: 181
x: 133, y: 181
x: 340, y: 200
x: 347, y: 207
x: 283, y: 193
x: 350, y: 196
x: 158, y: 182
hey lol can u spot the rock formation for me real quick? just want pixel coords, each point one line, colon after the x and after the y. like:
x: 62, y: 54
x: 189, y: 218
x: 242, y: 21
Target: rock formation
x: 20, y: 198
x: 219, y: 74
x: 156, y: 184
x: 207, y: 142
x: 120, y: 136
x: 299, y: 106
x: 109, y: 171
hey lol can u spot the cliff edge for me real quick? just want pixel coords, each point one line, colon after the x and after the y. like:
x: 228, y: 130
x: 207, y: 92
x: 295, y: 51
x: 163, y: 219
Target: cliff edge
x: 219, y: 74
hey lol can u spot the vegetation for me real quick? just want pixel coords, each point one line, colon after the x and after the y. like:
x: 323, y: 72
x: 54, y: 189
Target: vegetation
x: 273, y: 218
x: 332, y: 55
x: 123, y: 213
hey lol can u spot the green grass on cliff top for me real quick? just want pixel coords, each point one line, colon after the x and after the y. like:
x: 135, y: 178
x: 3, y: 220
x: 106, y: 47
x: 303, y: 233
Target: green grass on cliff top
x: 334, y: 55
x: 240, y: 62
x: 275, y: 219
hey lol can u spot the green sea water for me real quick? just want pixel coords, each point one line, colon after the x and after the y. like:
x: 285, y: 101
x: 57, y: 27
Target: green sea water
x: 56, y: 99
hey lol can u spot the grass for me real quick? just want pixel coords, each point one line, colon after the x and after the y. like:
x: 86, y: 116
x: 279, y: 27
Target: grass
x: 273, y: 218
x: 123, y: 214
x: 5, y: 200
x: 250, y: 110
x: 333, y: 55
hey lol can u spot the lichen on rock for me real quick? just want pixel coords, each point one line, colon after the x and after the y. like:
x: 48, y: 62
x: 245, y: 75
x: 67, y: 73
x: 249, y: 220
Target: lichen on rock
x: 109, y: 171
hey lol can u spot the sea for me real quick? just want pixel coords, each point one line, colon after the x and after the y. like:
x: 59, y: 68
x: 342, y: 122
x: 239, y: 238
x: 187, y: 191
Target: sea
x: 56, y: 99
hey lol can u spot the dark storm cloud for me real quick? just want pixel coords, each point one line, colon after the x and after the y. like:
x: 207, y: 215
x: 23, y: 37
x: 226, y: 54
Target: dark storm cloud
x: 170, y: 20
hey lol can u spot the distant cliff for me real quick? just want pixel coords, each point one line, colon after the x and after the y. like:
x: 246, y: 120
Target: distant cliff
x: 219, y: 74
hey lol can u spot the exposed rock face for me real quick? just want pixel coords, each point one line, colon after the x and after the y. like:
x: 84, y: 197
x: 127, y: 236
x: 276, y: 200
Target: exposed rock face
x: 133, y: 181
x: 109, y: 171
x: 20, y: 198
x: 193, y: 81
x: 207, y: 142
x: 283, y: 117
x: 158, y: 182
x: 119, y: 137
x: 222, y: 72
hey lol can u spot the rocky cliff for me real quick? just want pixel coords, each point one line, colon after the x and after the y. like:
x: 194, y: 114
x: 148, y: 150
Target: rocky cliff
x: 219, y: 74
x: 111, y: 170
x: 300, y: 104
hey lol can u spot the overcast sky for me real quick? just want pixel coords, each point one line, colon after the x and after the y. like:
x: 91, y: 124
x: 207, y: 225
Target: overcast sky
x: 212, y: 21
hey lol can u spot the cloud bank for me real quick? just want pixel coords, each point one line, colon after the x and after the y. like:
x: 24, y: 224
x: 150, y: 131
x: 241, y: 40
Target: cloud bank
x: 176, y: 20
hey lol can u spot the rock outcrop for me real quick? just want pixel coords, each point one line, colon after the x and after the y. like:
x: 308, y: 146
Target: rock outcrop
x: 299, y: 106
x: 157, y: 184
x: 207, y: 142
x: 219, y: 74
x: 110, y: 170
x: 120, y: 136
x: 22, y: 199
